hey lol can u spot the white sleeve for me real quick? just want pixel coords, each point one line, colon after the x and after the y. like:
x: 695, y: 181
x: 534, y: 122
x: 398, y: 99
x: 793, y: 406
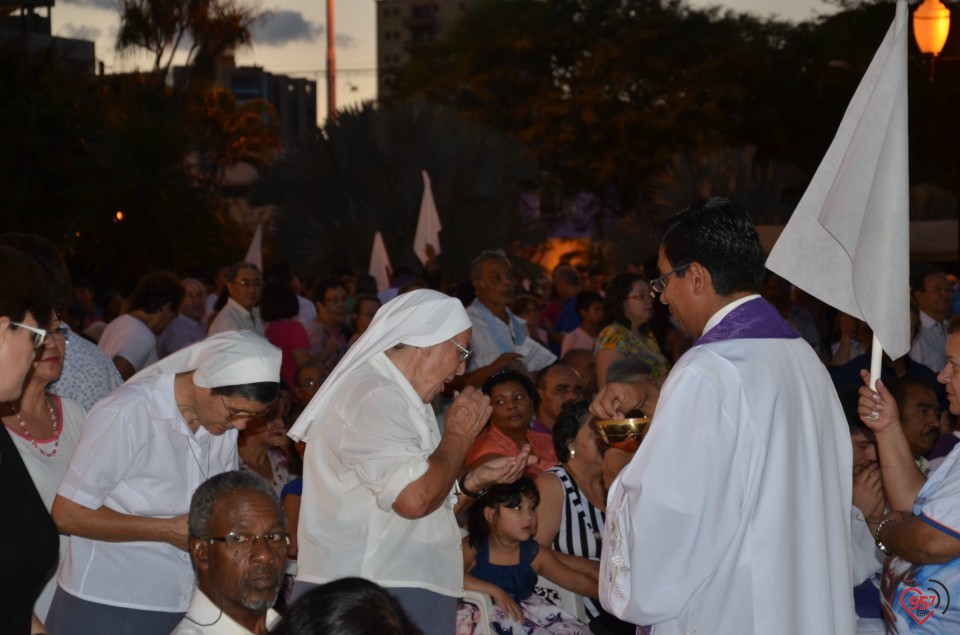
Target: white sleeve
x: 384, y: 443
x: 674, y: 511
x: 867, y: 558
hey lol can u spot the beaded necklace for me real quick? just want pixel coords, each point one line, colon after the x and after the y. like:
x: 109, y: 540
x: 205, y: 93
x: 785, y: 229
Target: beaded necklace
x: 29, y: 437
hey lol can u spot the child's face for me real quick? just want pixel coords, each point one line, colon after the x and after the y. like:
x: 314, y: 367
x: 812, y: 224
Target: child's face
x: 516, y: 523
x: 593, y: 315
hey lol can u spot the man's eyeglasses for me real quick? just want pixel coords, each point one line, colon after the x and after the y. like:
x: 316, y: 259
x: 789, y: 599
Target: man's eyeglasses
x: 250, y: 283
x: 661, y: 282
x: 274, y: 539
x: 464, y: 353
x: 241, y: 414
x: 39, y: 335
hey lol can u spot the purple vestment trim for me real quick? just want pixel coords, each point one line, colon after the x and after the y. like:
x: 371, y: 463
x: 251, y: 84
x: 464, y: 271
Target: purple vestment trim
x: 756, y: 319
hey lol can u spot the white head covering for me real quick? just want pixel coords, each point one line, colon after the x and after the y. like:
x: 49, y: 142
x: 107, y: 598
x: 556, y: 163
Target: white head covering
x: 419, y: 318
x: 231, y: 358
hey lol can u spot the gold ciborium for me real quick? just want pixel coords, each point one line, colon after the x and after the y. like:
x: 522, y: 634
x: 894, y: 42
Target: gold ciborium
x: 623, y: 434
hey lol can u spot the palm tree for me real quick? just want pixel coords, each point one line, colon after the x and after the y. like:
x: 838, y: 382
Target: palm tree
x: 208, y: 29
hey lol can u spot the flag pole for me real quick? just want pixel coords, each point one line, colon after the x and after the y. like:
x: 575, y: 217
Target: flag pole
x: 876, y: 359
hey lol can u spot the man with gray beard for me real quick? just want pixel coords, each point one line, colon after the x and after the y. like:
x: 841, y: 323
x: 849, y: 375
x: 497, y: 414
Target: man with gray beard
x: 238, y: 543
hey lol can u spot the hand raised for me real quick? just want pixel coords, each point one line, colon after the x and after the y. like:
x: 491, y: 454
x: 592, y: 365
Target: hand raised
x: 468, y: 413
x: 877, y: 408
x: 505, y: 469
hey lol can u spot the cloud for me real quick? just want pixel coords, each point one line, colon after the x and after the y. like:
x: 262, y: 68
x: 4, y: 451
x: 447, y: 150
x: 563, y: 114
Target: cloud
x: 283, y: 27
x: 79, y: 31
x: 110, y: 5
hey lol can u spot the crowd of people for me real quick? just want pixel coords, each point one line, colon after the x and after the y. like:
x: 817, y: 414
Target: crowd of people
x: 250, y: 454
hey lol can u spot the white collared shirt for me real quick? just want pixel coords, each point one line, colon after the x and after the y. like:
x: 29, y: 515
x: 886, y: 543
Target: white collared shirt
x: 206, y: 618
x: 137, y: 456
x: 929, y: 347
x: 372, y: 442
x: 233, y: 317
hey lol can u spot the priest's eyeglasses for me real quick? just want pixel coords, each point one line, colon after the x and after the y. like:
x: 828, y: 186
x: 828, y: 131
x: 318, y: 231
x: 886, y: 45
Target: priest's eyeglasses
x: 465, y: 353
x: 274, y: 539
x: 661, y: 282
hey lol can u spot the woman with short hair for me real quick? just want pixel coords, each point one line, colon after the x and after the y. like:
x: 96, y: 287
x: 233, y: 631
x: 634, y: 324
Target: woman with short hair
x: 29, y: 555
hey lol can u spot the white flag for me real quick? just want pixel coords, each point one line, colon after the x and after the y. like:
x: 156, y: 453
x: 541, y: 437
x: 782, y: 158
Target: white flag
x: 428, y: 225
x: 847, y: 242
x: 380, y: 263
x: 255, y: 253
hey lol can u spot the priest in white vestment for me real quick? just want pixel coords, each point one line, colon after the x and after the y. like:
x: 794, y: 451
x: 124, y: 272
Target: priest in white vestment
x: 734, y: 515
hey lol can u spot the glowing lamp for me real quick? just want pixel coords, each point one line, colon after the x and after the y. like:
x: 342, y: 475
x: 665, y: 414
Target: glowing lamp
x: 931, y: 24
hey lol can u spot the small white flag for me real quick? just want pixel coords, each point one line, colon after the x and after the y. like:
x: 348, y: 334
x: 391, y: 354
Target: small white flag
x: 380, y: 263
x: 847, y: 242
x: 255, y: 253
x: 428, y: 224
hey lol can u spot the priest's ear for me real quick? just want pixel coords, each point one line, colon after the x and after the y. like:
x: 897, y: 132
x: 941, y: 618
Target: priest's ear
x: 700, y: 278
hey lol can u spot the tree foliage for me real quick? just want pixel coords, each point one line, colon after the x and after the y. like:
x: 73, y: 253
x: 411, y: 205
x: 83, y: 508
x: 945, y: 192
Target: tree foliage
x: 607, y: 92
x: 363, y: 175
x: 205, y: 28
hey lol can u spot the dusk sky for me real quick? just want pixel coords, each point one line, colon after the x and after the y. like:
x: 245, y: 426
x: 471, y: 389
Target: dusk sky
x: 293, y: 40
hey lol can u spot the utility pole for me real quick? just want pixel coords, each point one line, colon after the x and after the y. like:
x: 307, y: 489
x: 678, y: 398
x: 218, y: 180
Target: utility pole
x: 331, y: 66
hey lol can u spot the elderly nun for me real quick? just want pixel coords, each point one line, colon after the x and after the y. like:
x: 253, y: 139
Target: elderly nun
x: 381, y: 484
x: 125, y: 496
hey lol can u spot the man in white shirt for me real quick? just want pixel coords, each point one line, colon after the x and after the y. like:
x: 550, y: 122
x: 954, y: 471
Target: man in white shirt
x: 734, y: 515
x: 498, y: 334
x: 130, y: 340
x: 240, y: 313
x: 238, y: 545
x: 933, y: 296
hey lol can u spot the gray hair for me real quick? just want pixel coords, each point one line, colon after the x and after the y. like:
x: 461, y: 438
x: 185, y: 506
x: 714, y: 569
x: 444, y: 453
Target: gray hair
x: 627, y: 370
x: 205, y: 498
x: 484, y: 256
x: 185, y: 281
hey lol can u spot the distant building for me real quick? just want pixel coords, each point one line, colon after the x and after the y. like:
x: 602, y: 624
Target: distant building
x: 402, y: 25
x: 293, y: 98
x: 22, y: 26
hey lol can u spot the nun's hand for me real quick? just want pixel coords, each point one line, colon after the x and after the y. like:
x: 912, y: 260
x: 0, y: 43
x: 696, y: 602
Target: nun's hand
x: 468, y: 413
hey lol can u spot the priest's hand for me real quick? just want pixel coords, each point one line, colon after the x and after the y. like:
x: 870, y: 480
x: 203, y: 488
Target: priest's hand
x: 618, y: 398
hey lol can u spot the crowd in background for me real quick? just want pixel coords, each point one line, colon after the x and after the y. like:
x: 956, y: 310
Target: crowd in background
x: 540, y: 349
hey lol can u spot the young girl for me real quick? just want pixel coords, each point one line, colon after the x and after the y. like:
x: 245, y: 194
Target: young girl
x: 501, y: 559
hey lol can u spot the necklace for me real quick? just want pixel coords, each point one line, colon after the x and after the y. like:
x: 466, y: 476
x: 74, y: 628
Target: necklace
x: 29, y: 437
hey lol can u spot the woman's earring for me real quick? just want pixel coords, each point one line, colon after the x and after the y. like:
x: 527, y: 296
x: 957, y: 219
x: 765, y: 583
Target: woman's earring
x: 573, y: 452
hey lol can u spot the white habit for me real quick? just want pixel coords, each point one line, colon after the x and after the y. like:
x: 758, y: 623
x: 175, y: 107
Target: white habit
x: 734, y: 515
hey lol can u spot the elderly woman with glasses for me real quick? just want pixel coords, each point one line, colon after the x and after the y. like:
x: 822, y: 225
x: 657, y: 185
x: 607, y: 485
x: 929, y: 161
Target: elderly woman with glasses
x: 45, y: 429
x: 29, y: 554
x: 629, y: 307
x: 381, y: 484
x: 124, y: 499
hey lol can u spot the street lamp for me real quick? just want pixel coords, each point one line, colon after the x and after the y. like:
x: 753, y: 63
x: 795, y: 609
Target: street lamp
x: 931, y: 24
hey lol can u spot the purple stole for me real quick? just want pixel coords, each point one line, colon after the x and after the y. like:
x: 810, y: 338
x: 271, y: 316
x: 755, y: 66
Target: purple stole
x: 756, y: 319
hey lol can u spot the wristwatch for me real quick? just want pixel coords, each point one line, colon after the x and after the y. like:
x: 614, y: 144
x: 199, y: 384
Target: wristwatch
x: 462, y: 488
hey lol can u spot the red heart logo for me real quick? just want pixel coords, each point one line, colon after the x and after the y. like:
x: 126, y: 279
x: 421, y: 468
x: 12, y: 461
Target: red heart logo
x: 917, y: 604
